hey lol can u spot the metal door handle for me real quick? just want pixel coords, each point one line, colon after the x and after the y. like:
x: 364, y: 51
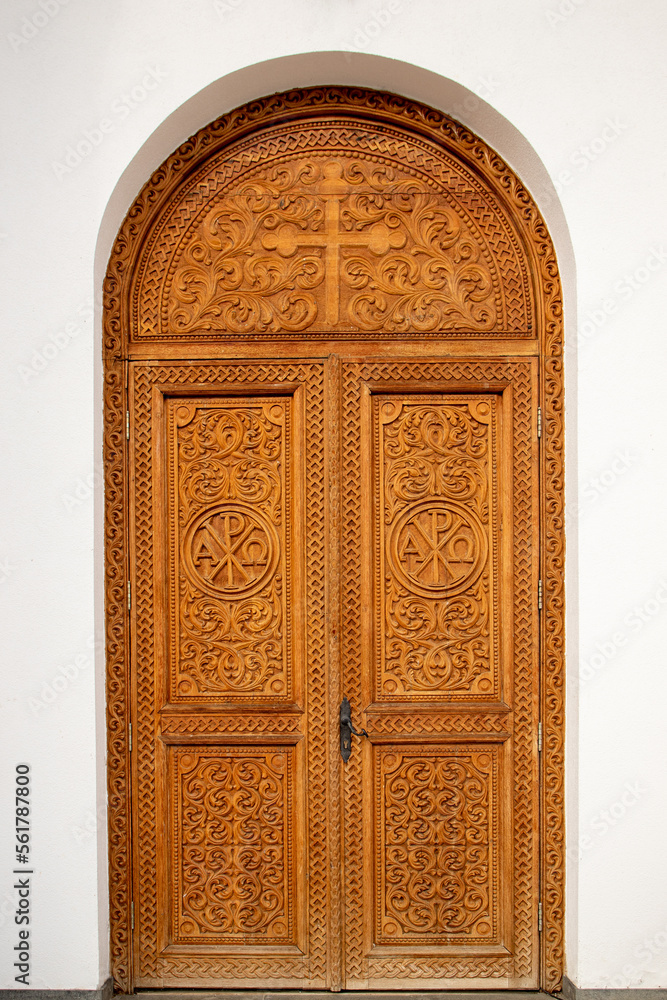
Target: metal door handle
x: 347, y: 730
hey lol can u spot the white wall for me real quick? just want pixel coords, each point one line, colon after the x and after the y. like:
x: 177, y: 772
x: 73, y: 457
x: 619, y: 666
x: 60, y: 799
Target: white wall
x: 582, y: 83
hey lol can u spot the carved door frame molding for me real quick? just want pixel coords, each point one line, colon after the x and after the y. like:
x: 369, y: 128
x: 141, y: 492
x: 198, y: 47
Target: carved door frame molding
x: 539, y: 285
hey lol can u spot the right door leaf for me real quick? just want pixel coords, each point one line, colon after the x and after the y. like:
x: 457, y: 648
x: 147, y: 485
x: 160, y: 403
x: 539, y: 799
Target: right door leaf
x: 442, y: 511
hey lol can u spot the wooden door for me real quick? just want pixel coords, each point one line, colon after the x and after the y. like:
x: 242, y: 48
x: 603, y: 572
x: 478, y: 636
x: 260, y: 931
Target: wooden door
x: 332, y: 319
x: 261, y: 858
x: 441, y: 661
x: 232, y: 792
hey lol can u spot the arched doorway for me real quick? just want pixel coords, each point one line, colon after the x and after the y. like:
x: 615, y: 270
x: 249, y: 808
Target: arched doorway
x: 334, y: 470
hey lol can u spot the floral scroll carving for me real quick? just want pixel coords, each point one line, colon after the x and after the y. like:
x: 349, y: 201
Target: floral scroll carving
x: 439, y: 856
x: 328, y: 244
x: 229, y: 278
x: 232, y: 845
x: 230, y: 559
x: 437, y: 497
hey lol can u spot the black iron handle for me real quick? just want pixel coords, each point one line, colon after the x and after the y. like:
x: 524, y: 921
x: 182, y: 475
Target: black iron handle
x: 347, y: 730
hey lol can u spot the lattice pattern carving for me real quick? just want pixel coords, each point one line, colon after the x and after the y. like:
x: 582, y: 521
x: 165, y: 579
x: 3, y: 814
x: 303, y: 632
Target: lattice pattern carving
x: 201, y: 725
x: 430, y: 725
x: 525, y: 662
x: 145, y: 674
x: 351, y: 655
x: 439, y: 969
x: 333, y: 498
x: 118, y: 805
x: 553, y: 618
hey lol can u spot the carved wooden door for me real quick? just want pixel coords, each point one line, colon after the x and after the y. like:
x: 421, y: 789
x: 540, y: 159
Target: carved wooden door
x: 238, y: 652
x: 232, y: 873
x: 440, y: 657
x: 333, y: 318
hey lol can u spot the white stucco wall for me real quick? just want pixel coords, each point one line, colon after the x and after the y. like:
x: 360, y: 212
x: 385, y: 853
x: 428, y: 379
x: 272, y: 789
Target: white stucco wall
x: 571, y: 90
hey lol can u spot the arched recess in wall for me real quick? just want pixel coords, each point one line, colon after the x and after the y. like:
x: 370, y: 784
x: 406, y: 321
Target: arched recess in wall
x: 333, y: 447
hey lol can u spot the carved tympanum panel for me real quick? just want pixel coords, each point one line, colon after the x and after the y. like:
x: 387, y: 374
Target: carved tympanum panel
x: 333, y: 226
x: 437, y: 494
x: 231, y: 548
x: 320, y: 242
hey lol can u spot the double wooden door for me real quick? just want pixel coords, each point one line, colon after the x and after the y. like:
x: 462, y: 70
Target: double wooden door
x: 303, y: 531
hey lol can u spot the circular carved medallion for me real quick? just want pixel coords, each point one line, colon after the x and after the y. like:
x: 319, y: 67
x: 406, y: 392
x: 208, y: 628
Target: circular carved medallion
x: 230, y: 550
x: 437, y: 548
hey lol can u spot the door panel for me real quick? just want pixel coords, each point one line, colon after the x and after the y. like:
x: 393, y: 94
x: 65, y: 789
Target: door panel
x: 234, y: 466
x: 441, y: 667
x: 232, y: 871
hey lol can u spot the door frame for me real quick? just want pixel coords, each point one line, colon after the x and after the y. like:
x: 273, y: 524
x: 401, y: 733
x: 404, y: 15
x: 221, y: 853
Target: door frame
x: 119, y: 317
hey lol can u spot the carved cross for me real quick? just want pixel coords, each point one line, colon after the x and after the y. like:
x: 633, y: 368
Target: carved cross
x: 287, y: 239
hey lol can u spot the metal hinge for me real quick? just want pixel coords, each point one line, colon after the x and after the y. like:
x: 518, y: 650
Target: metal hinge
x: 127, y: 424
x: 539, y: 917
x: 539, y: 737
x: 132, y: 914
x: 129, y: 596
x: 539, y: 595
x: 539, y: 421
x: 129, y: 733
